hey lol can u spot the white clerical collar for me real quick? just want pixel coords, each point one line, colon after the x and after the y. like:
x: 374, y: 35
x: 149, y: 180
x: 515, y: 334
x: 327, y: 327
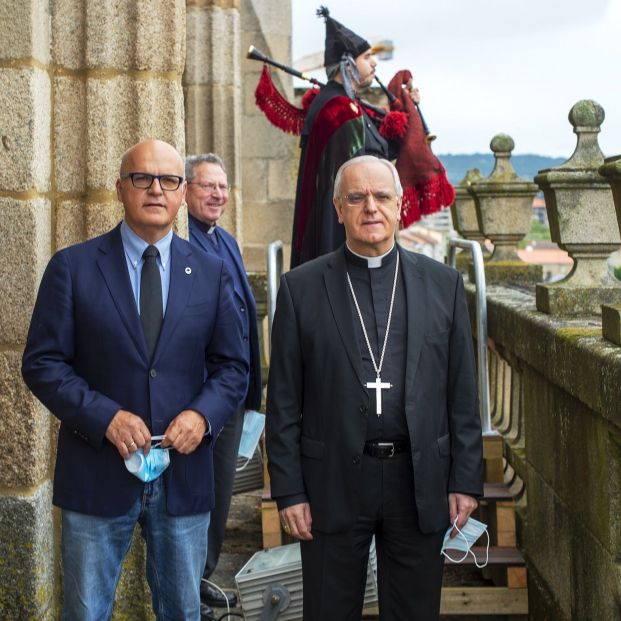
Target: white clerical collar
x: 212, y: 229
x: 372, y: 262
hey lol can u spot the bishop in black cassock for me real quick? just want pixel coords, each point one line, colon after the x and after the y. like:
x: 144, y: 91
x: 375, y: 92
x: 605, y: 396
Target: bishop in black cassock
x: 341, y: 472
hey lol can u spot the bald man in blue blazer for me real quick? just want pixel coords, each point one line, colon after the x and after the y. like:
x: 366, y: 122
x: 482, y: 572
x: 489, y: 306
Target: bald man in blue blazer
x: 96, y: 361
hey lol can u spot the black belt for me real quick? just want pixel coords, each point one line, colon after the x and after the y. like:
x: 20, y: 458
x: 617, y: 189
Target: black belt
x: 385, y: 450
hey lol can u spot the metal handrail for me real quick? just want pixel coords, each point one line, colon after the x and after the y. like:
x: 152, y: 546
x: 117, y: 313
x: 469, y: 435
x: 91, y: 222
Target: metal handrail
x: 274, y: 272
x: 481, y: 319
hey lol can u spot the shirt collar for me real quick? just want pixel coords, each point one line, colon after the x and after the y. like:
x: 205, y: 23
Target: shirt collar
x: 370, y: 262
x: 209, y: 229
x: 134, y: 246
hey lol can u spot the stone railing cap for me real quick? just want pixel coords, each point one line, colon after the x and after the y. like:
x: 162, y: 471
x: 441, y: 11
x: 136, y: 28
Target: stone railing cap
x: 611, y: 168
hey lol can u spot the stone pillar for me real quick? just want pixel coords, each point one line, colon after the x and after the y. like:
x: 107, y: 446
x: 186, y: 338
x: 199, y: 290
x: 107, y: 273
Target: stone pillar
x: 80, y: 82
x: 611, y: 314
x: 28, y: 562
x: 504, y: 211
x: 464, y: 215
x: 269, y: 156
x: 582, y: 222
x: 212, y: 86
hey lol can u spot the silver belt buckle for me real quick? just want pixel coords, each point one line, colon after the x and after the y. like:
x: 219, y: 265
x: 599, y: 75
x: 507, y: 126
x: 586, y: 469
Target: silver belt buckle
x: 386, y: 445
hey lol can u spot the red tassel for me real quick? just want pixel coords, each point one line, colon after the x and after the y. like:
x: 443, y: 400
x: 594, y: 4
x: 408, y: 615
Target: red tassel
x: 277, y: 109
x: 308, y: 98
x: 426, y: 198
x: 394, y: 125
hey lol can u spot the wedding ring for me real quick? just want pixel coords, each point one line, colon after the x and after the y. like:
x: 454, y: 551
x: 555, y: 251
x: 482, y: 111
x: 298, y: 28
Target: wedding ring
x: 132, y: 444
x: 285, y: 527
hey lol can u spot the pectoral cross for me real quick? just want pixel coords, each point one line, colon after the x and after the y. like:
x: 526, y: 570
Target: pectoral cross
x: 379, y: 386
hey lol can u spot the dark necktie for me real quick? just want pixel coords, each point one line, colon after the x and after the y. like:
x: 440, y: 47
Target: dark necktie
x: 151, y: 311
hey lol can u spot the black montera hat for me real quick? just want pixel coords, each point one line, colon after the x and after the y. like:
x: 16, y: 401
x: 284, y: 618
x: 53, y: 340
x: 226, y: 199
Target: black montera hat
x: 340, y: 39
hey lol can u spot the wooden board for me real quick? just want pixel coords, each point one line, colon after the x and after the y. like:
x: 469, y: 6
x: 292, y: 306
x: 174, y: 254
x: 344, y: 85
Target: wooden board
x: 477, y: 601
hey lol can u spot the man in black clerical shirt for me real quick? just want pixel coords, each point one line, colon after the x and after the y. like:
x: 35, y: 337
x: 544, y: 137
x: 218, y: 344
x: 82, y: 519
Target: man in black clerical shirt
x: 372, y: 412
x: 207, y: 197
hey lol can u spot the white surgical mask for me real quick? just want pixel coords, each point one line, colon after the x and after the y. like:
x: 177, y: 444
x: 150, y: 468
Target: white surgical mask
x: 465, y: 539
x: 254, y: 422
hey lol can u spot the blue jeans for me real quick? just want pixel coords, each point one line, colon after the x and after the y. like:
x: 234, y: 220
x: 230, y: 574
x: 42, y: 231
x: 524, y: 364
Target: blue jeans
x: 93, y: 549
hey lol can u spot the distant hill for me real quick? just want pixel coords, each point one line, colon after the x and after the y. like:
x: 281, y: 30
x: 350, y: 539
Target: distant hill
x: 526, y: 166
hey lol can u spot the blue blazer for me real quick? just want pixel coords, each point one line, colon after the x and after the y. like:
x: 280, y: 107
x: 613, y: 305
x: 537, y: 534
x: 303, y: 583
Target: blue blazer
x: 199, y: 238
x: 86, y: 358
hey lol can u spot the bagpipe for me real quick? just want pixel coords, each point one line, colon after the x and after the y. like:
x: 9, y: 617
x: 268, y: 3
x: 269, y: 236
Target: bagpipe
x: 425, y: 186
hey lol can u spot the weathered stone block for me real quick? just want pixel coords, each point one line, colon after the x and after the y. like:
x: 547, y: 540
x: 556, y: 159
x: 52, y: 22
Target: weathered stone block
x: 25, y: 123
x: 562, y: 298
x: 121, y: 112
x: 282, y: 179
x: 101, y: 217
x: 509, y: 272
x: 211, y: 112
x: 611, y: 323
x: 68, y: 33
x: 70, y: 224
x: 255, y: 179
x: 25, y: 30
x: 24, y: 461
x: 142, y: 35
x: 27, y: 553
x: 24, y: 253
x: 264, y: 228
x: 69, y: 138
x: 255, y: 130
x: 213, y: 46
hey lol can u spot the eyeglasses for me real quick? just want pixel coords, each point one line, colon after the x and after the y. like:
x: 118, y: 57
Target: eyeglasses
x: 143, y: 181
x: 356, y: 199
x: 212, y: 187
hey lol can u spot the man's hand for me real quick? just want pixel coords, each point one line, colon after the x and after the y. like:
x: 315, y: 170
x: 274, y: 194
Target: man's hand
x: 185, y: 431
x: 460, y: 507
x: 296, y: 520
x: 128, y: 433
x: 414, y: 93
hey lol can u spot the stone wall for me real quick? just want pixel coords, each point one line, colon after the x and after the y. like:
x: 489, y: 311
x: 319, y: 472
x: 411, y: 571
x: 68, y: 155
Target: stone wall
x: 269, y: 156
x: 554, y: 378
x: 80, y: 82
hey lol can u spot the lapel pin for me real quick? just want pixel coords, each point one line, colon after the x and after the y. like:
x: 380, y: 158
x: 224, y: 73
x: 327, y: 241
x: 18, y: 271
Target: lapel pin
x: 188, y: 270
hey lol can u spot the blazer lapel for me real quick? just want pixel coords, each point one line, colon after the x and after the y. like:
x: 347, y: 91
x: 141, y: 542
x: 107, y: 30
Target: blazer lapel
x: 113, y: 266
x: 181, y: 281
x: 339, y: 299
x: 416, y: 300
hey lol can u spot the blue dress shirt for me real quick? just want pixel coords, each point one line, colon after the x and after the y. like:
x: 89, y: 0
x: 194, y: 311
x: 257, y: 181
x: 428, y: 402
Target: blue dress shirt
x: 134, y: 246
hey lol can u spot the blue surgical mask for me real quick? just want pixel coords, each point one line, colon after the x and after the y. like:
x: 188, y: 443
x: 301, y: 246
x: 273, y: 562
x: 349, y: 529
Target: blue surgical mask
x: 465, y: 539
x: 150, y: 467
x: 254, y: 422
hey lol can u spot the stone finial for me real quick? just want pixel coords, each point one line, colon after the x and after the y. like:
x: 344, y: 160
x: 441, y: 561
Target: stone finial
x: 464, y: 215
x: 504, y: 211
x: 582, y: 221
x: 463, y: 209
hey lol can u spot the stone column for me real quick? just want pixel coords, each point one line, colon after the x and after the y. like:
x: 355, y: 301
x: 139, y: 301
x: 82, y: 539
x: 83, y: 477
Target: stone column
x: 80, y: 82
x: 611, y: 314
x: 269, y: 156
x: 464, y: 215
x: 504, y: 210
x: 212, y: 86
x: 582, y: 222
x: 27, y: 556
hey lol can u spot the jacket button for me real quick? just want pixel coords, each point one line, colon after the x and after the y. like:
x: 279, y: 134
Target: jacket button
x: 242, y: 309
x: 153, y: 373
x: 356, y: 460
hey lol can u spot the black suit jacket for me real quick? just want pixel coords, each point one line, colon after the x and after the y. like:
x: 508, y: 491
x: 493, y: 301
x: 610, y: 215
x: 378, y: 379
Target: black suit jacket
x: 317, y: 405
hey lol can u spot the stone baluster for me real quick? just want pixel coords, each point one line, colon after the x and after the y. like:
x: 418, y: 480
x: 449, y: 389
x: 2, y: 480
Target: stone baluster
x: 504, y: 211
x: 611, y: 314
x: 582, y: 222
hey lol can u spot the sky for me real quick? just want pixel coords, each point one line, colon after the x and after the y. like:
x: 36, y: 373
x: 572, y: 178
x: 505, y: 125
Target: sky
x: 491, y: 66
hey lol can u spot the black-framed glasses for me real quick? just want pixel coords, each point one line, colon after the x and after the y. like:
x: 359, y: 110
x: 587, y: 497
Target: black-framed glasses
x: 212, y: 187
x: 143, y: 181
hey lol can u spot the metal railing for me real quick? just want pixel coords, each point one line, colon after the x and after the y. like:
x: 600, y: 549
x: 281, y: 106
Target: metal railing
x: 481, y: 322
x: 274, y: 272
